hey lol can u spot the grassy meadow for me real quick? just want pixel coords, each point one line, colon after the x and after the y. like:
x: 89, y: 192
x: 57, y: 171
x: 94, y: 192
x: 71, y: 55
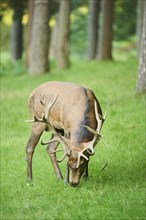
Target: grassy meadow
x: 118, y: 191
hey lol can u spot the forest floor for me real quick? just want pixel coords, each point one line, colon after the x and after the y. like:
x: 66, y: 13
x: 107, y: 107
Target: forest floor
x: 117, y: 192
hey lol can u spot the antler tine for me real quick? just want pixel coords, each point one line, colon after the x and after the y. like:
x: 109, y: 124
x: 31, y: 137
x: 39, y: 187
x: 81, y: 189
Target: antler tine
x: 90, y: 149
x: 98, y: 118
x: 65, y: 142
x: 48, y: 107
x: 44, y: 118
x: 99, y: 123
x: 60, y: 139
x: 55, y: 151
x: 80, y: 154
x: 90, y: 129
x: 30, y: 121
x: 63, y: 157
x: 104, y: 117
x: 46, y: 143
x: 35, y: 119
x: 55, y: 138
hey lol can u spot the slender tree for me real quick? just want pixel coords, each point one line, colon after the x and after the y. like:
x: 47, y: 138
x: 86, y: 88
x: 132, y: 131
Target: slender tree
x: 140, y: 13
x: 29, y: 30
x: 106, y: 32
x: 63, y: 35
x: 16, y: 33
x: 38, y: 63
x: 54, y: 38
x: 94, y: 6
x: 141, y: 81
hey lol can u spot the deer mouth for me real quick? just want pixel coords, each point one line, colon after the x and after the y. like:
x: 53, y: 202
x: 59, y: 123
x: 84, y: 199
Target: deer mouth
x: 74, y: 184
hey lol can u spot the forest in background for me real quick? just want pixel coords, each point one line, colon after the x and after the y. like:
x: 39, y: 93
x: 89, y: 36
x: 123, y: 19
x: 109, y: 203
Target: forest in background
x: 91, y: 30
x: 124, y: 23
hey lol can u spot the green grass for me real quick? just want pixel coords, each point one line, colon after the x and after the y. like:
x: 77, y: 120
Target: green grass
x: 117, y: 192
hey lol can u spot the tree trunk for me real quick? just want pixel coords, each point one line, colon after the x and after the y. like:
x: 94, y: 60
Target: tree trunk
x: 141, y: 81
x: 54, y: 39
x: 39, y: 63
x: 106, y: 32
x: 94, y: 6
x: 16, y: 34
x: 63, y: 36
x: 140, y: 13
x: 29, y: 30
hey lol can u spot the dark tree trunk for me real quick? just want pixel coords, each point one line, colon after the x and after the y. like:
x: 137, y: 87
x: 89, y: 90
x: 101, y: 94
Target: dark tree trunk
x: 106, y: 32
x: 39, y: 63
x: 29, y: 30
x: 94, y: 6
x: 140, y: 13
x: 63, y: 36
x: 141, y: 81
x: 16, y: 34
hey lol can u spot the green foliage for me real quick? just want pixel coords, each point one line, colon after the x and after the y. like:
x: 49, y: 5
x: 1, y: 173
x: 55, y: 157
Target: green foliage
x: 78, y: 34
x: 4, y: 38
x: 7, y: 66
x: 124, y: 25
x: 118, y: 192
x: 125, y: 19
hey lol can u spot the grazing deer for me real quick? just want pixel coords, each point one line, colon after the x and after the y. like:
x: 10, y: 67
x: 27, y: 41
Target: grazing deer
x: 74, y: 116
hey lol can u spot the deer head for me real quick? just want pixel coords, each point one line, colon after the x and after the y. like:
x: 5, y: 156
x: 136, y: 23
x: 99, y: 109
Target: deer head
x: 78, y: 156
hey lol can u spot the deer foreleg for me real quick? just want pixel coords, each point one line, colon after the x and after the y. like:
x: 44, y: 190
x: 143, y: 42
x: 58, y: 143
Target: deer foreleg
x: 85, y: 174
x: 67, y: 174
x: 32, y: 142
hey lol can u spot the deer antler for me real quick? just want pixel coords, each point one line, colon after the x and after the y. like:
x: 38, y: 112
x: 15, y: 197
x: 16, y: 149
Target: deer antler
x: 55, y: 138
x: 80, y: 154
x: 45, y: 115
x: 104, y: 117
x: 35, y: 119
x: 48, y: 107
x: 63, y: 141
x: 90, y: 145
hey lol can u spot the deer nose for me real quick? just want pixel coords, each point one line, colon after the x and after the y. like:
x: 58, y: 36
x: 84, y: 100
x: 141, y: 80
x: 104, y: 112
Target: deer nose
x: 74, y: 184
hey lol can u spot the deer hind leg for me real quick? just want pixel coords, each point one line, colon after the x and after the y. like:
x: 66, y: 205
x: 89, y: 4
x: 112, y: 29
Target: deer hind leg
x: 36, y: 132
x: 51, y: 147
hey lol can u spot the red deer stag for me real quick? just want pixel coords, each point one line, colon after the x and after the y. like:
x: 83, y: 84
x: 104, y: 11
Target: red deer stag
x: 74, y: 116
